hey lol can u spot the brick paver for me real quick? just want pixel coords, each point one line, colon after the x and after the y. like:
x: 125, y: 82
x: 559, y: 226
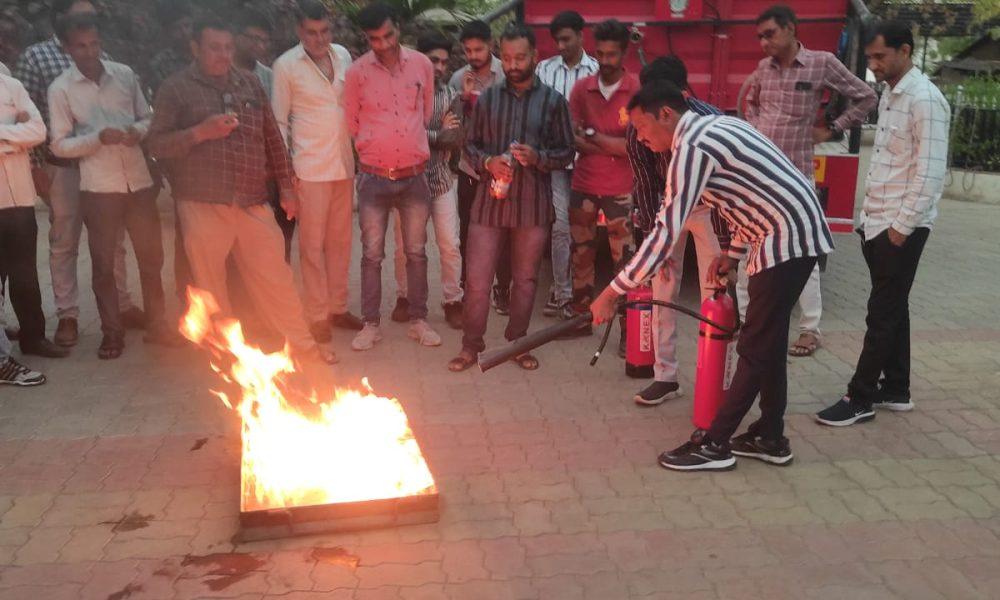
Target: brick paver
x: 120, y: 480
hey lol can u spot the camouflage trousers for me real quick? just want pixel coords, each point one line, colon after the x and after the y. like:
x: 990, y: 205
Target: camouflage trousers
x: 583, y: 214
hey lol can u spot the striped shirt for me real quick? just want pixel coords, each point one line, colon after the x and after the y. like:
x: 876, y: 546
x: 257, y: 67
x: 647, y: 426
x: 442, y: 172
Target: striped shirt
x: 909, y: 158
x: 443, y: 142
x: 554, y: 73
x: 538, y: 117
x: 725, y: 163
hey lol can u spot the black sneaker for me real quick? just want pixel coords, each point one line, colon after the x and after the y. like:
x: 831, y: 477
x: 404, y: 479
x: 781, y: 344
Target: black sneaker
x: 892, y: 402
x: 551, y: 308
x: 401, y: 313
x: 501, y: 300
x: 753, y: 446
x: 14, y: 373
x: 844, y: 413
x: 658, y: 392
x: 699, y: 456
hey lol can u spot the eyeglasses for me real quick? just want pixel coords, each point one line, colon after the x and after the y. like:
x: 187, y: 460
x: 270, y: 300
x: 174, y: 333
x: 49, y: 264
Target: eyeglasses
x: 767, y: 33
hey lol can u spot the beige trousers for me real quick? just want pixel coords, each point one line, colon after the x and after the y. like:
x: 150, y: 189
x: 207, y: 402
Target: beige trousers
x: 213, y: 231
x: 325, y: 229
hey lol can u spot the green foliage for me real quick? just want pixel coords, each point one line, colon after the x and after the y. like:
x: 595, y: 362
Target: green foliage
x: 975, y: 129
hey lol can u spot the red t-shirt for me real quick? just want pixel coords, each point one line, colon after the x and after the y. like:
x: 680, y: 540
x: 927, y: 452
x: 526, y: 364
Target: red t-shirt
x: 601, y: 174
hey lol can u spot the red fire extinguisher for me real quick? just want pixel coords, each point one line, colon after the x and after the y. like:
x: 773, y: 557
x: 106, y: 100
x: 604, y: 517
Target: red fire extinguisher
x: 711, y: 381
x: 639, y: 355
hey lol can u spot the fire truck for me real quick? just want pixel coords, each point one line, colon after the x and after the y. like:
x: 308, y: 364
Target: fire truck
x: 717, y: 41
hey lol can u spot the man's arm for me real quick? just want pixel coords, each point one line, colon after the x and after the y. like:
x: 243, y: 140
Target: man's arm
x: 930, y: 136
x: 475, y: 142
x: 166, y: 138
x: 860, y: 96
x: 427, y: 87
x: 281, y: 99
x: 62, y: 141
x: 751, y: 100
x: 647, y: 183
x: 609, y: 144
x: 558, y: 150
x: 25, y: 133
x: 30, y: 75
x: 687, y: 177
x: 448, y: 138
x: 279, y: 162
x: 143, y: 113
x: 352, y: 100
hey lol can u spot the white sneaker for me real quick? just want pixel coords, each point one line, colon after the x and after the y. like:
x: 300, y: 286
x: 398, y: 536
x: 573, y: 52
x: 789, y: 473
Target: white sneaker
x: 14, y: 373
x: 367, y: 337
x: 422, y: 332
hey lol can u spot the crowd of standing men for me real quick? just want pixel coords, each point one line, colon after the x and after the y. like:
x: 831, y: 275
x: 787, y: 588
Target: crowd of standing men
x: 508, y: 157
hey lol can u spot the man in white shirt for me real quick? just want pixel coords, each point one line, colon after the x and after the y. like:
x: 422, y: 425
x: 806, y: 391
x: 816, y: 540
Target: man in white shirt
x: 902, y: 191
x: 99, y: 116
x: 21, y: 128
x: 561, y: 72
x: 308, y: 104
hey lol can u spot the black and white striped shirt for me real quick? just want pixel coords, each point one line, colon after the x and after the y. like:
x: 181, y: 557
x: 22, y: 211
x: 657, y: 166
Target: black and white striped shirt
x: 771, y: 208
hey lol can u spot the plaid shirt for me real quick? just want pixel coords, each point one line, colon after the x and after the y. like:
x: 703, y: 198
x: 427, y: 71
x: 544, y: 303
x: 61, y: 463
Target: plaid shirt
x: 164, y: 64
x: 37, y: 68
x: 443, y: 143
x: 231, y: 170
x: 782, y: 103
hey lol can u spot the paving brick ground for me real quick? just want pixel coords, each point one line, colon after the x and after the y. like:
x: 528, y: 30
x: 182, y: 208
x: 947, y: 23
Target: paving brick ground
x: 120, y: 480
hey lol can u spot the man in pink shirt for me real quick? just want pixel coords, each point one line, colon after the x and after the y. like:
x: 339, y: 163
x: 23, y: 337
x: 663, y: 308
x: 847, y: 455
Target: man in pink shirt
x: 388, y: 101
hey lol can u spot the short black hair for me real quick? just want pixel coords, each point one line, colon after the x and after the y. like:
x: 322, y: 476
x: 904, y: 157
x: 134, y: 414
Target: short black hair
x: 612, y: 30
x: 656, y: 94
x: 247, y: 18
x: 782, y: 15
x: 895, y: 34
x: 567, y: 19
x: 66, y: 25
x: 61, y: 7
x: 169, y: 12
x: 209, y: 21
x: 313, y: 10
x: 517, y: 31
x: 666, y: 68
x: 476, y: 30
x: 375, y: 15
x: 433, y: 40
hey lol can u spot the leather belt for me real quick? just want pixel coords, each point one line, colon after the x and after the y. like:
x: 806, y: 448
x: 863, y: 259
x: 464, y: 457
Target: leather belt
x: 394, y: 174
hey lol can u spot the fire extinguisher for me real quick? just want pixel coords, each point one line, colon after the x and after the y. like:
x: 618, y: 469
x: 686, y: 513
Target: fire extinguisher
x: 711, y: 379
x: 639, y: 355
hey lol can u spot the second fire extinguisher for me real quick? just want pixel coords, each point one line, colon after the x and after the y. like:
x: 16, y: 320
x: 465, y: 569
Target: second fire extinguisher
x: 639, y: 355
x: 713, y: 361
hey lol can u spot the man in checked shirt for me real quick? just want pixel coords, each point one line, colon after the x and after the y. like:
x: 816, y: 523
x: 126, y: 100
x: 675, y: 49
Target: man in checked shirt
x: 215, y: 122
x: 782, y: 103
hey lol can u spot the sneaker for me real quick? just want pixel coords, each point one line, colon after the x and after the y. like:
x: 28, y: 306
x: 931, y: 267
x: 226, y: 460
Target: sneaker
x: 698, y: 456
x: 346, y: 320
x: 453, y: 314
x: 892, y: 402
x: 14, y: 373
x: 423, y: 333
x: 751, y: 445
x: 367, y: 337
x: 551, y: 308
x: 321, y: 332
x: 501, y: 300
x: 844, y: 413
x: 401, y: 313
x: 133, y: 318
x: 67, y: 332
x: 658, y: 392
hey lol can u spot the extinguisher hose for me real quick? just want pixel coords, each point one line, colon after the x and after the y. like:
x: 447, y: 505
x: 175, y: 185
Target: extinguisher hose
x: 681, y: 309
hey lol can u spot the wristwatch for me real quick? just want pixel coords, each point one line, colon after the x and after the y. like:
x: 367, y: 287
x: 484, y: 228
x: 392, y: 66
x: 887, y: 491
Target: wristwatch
x: 589, y: 132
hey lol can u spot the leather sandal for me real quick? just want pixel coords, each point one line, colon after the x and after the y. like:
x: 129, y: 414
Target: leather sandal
x: 526, y: 361
x: 462, y: 362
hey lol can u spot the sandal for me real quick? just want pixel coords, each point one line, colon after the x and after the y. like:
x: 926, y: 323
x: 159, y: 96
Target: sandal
x: 526, y: 361
x: 111, y: 348
x: 806, y: 345
x: 462, y: 362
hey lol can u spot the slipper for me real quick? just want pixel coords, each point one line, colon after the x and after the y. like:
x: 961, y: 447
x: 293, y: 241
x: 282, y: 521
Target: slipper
x: 806, y: 345
x: 526, y: 361
x: 111, y: 348
x: 462, y: 362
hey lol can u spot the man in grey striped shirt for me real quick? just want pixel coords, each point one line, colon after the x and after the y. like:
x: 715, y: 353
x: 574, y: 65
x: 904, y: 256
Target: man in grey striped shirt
x: 776, y: 221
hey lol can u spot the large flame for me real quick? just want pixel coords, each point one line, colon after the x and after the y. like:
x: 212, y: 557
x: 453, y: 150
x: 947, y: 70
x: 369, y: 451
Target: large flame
x: 348, y: 447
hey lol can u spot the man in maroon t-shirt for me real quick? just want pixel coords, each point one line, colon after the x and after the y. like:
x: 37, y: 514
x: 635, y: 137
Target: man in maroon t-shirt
x: 602, y: 179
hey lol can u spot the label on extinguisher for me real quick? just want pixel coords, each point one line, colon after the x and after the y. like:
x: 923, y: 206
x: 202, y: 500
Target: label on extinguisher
x: 646, y: 330
x: 731, y: 359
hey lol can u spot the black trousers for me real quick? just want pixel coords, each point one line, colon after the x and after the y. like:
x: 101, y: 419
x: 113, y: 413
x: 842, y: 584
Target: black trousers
x: 762, y: 349
x: 18, y: 243
x: 886, y: 351
x: 466, y: 196
x: 105, y: 215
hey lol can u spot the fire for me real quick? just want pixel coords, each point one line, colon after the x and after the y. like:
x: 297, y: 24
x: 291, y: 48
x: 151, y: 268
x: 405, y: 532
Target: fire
x: 347, y: 447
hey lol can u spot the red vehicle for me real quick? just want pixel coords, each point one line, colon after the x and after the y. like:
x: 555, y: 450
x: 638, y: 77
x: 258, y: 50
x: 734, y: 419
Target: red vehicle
x: 717, y: 41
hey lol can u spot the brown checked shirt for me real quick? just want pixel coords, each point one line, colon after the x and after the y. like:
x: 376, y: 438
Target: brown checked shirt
x: 231, y: 170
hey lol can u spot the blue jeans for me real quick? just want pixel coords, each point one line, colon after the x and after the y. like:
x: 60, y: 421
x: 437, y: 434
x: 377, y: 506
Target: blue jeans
x: 562, y: 241
x: 377, y: 197
x: 527, y: 245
